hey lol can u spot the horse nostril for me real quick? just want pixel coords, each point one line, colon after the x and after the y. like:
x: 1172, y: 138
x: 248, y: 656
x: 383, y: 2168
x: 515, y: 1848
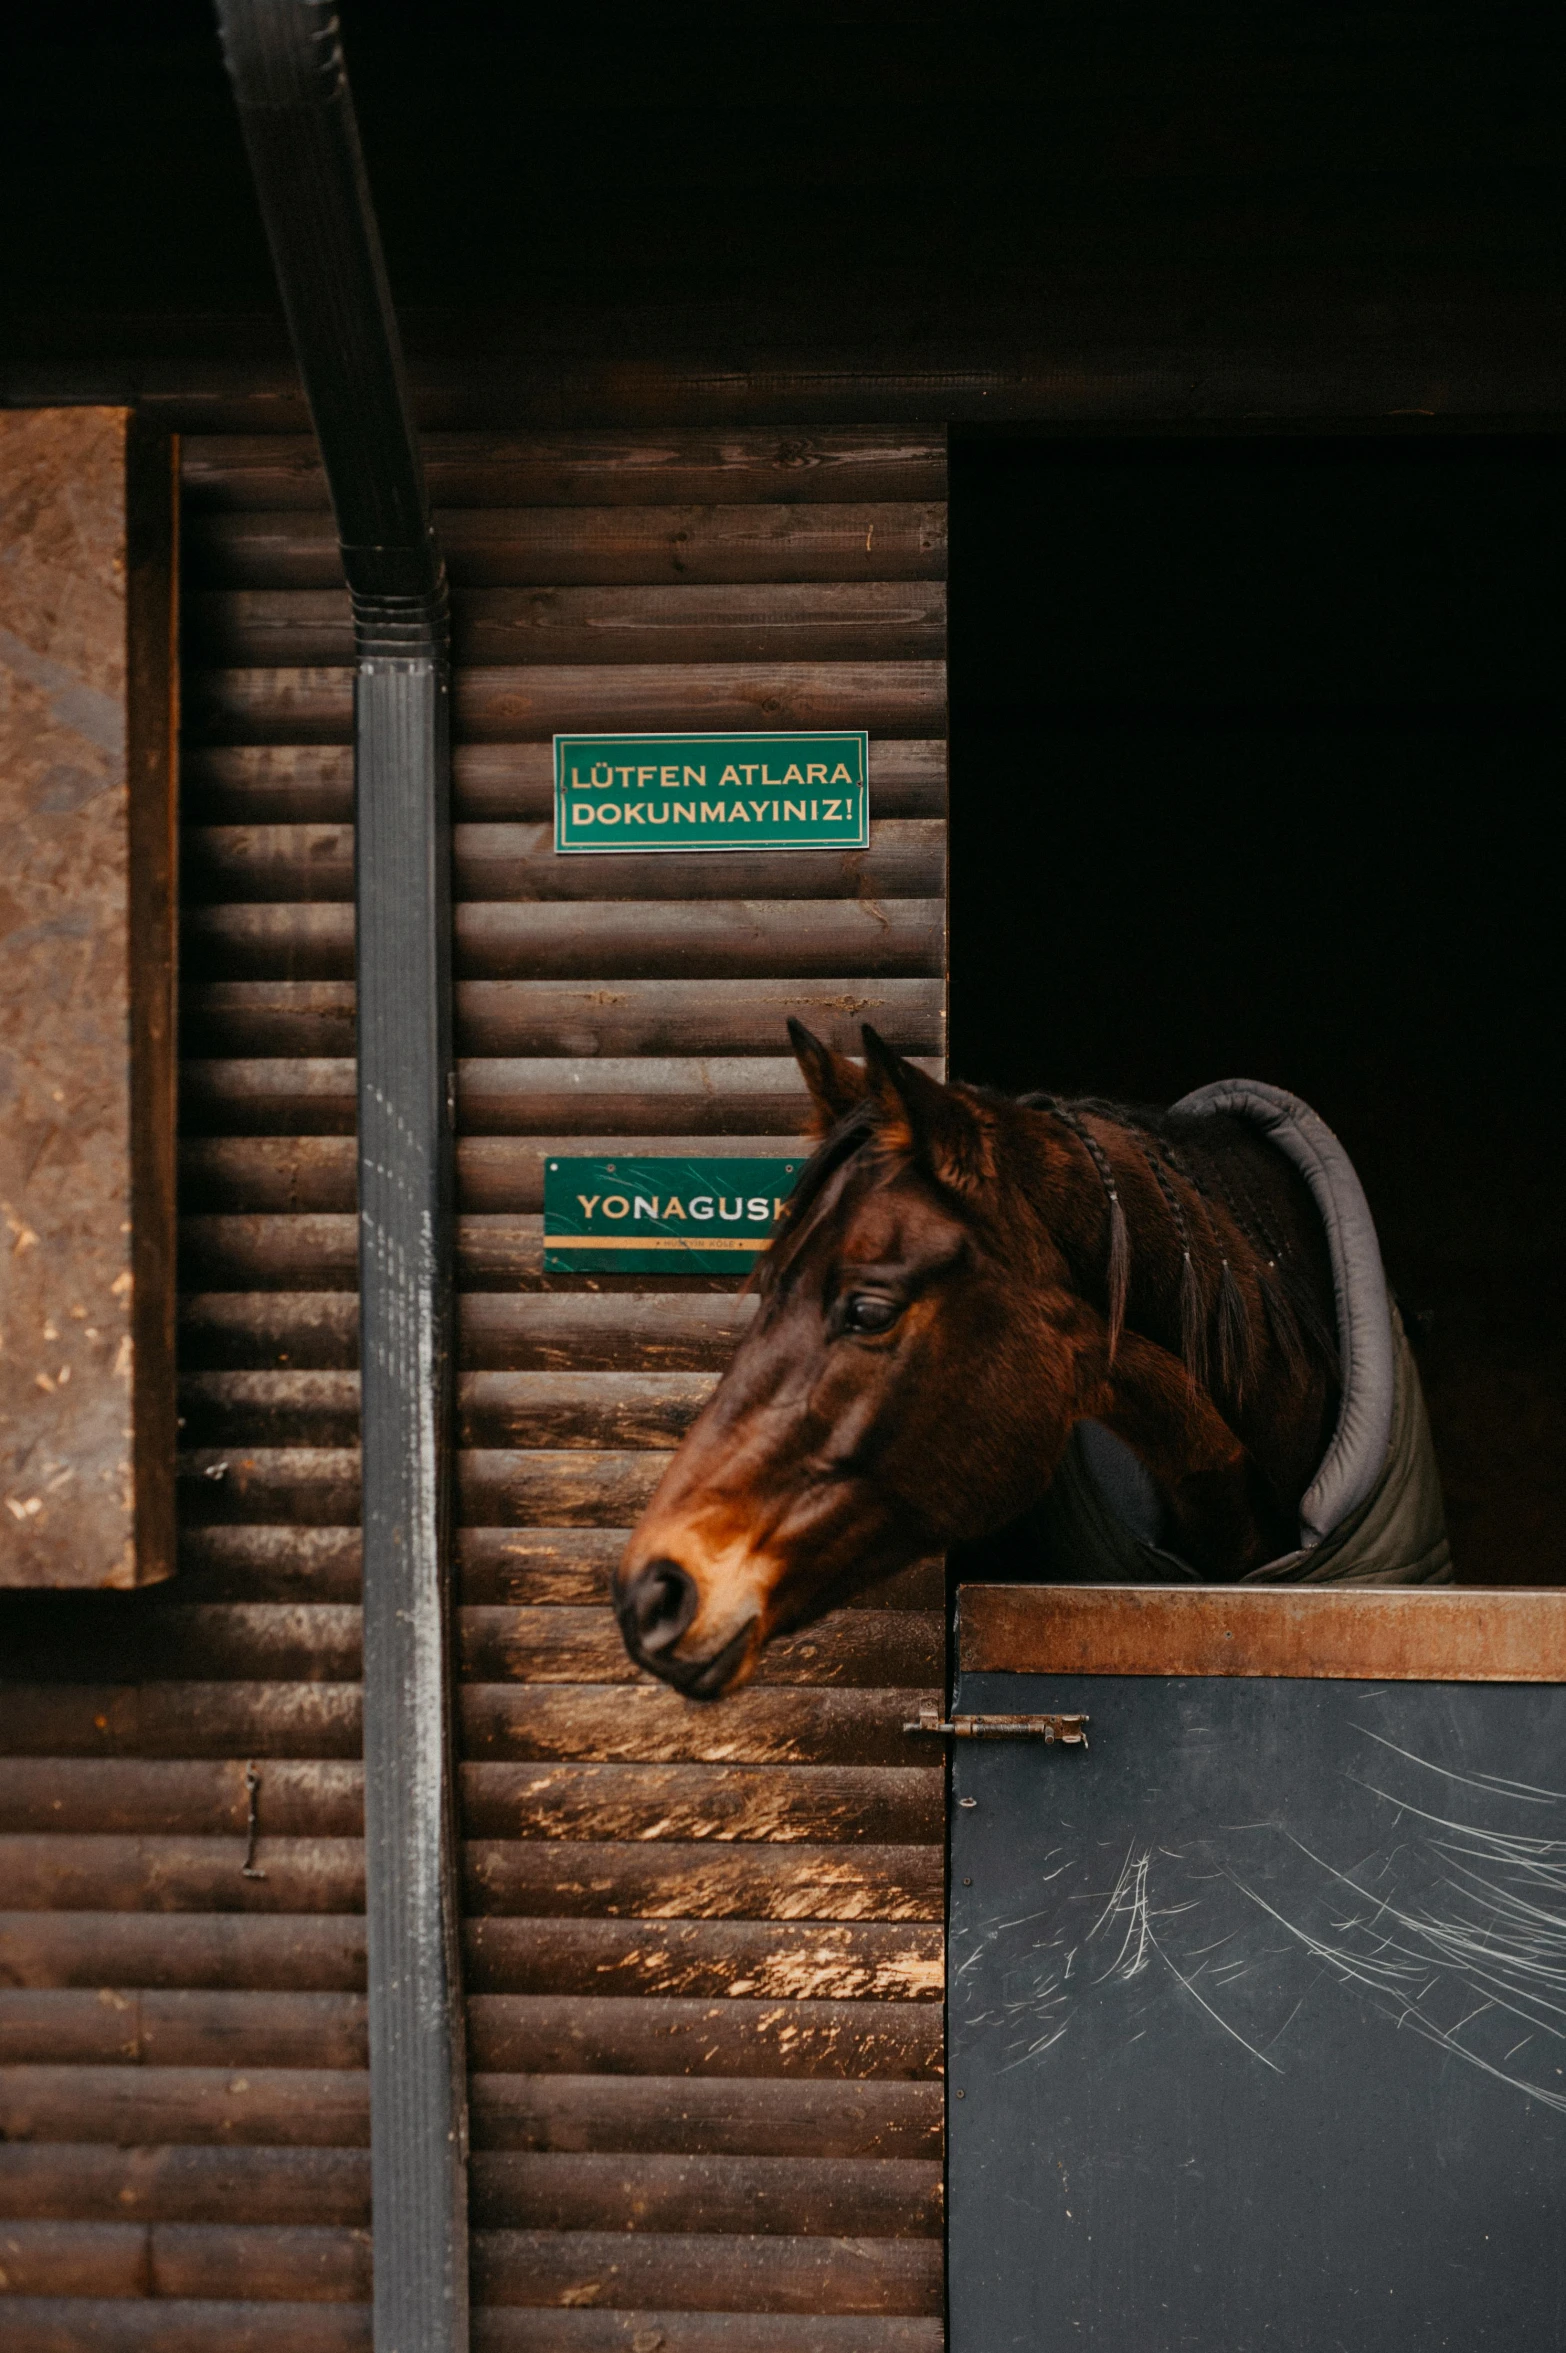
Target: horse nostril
x: 659, y: 1606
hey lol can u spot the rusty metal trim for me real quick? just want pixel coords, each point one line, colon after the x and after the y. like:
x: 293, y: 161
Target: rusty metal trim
x: 1517, y: 1635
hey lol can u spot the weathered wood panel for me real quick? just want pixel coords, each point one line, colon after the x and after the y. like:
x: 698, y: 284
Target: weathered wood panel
x: 685, y: 1331
x: 100, y: 2325
x: 260, y: 784
x: 580, y: 1331
x: 543, y: 2034
x: 791, y: 1723
x: 242, y: 1329
x: 596, y: 546
x: 659, y: 1880
x: 703, y: 1947
x: 786, y: 1803
x: 205, y: 1796
x: 750, y: 1094
x: 716, y: 2272
x: 293, y: 2184
x: 551, y: 1800
x: 868, y: 1648
x: 870, y: 2197
x: 169, y: 2143
x: 314, y: 1252
x: 816, y: 621
x: 248, y: 1173
x: 319, y: 1641
x: 874, y: 1962
x: 94, y: 2324
x: 571, y: 1564
x: 746, y: 466
x: 269, y: 1409
x: 275, y: 2262
x: 507, y: 1018
x: 517, y: 863
x: 302, y: 1252
x: 496, y: 1409
x: 586, y: 2331
x: 751, y: 1899
x: 495, y: 1174
x: 604, y: 940
x: 1210, y: 374
x: 105, y: 1873
x: 150, y: 2030
x: 201, y: 1641
x: 186, y: 1719
x: 710, y: 2116
x: 537, y: 2267
x: 506, y: 704
x: 851, y: 1726
x: 192, y: 2159
x: 87, y: 1948
x: 1363, y: 1636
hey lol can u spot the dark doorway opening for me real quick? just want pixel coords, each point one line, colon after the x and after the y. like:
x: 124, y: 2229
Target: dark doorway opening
x: 1256, y: 757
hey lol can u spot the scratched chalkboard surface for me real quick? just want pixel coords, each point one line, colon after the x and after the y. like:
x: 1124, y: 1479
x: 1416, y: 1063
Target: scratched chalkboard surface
x: 1257, y: 2019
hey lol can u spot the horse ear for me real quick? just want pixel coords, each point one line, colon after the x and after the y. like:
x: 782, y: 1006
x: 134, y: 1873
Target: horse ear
x: 836, y: 1085
x: 917, y: 1115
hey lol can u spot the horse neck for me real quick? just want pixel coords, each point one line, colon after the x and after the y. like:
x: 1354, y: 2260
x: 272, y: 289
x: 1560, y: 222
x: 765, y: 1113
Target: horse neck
x: 1227, y: 1276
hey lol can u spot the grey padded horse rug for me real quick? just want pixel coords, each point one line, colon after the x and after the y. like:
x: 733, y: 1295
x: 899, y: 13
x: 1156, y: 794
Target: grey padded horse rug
x: 1373, y: 1514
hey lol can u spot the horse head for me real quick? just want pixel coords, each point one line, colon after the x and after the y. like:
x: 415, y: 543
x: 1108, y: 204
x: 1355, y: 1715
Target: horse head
x: 916, y: 1363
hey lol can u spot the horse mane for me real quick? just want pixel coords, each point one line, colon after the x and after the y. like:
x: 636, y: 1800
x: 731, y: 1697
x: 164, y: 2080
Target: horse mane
x: 1196, y: 1166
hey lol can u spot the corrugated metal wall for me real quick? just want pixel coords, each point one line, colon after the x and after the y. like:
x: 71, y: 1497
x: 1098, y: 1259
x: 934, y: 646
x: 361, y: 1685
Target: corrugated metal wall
x: 703, y: 1946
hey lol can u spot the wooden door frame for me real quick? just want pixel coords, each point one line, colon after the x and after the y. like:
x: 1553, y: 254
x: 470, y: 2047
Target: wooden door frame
x: 1442, y: 1634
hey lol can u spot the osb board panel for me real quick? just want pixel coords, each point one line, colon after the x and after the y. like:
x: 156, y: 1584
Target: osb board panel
x: 85, y: 972
x: 1354, y: 1636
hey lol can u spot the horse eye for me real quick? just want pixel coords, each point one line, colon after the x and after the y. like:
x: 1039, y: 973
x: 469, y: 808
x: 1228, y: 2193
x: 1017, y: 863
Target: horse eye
x: 864, y: 1313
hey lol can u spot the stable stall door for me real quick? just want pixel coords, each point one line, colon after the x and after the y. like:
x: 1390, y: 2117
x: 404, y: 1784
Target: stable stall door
x: 1257, y: 2002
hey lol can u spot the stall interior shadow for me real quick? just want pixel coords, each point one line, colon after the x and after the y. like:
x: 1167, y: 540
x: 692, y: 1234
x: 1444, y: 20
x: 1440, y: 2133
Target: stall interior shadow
x: 1256, y: 766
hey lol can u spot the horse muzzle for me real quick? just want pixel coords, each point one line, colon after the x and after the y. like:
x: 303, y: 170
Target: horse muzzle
x: 656, y: 1608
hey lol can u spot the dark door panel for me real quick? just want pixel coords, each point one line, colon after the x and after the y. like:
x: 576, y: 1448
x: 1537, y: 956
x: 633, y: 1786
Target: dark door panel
x: 1258, y: 2018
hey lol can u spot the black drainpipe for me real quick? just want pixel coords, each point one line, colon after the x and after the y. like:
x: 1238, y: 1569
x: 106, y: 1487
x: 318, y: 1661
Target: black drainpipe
x: 285, y: 61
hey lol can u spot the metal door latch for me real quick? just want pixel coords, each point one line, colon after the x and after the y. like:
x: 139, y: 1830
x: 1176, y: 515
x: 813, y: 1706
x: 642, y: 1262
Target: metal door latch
x: 1067, y: 1731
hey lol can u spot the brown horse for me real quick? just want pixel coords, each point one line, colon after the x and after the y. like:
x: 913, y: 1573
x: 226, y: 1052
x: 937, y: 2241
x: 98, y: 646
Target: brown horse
x: 959, y: 1280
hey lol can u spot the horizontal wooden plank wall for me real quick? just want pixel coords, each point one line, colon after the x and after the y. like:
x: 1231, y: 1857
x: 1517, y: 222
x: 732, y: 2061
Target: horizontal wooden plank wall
x: 703, y: 1947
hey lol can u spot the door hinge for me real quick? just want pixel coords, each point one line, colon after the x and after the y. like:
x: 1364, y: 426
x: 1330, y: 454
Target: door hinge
x: 1067, y: 1731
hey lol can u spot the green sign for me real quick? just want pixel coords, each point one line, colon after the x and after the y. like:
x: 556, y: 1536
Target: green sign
x: 661, y: 1217
x: 712, y: 792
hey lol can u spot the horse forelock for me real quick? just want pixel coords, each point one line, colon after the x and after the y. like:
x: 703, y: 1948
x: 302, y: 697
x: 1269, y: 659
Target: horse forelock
x: 857, y: 1144
x: 858, y: 1140
x: 815, y: 1197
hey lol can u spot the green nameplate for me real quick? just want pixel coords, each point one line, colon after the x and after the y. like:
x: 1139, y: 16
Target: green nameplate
x: 661, y: 1217
x: 712, y: 792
